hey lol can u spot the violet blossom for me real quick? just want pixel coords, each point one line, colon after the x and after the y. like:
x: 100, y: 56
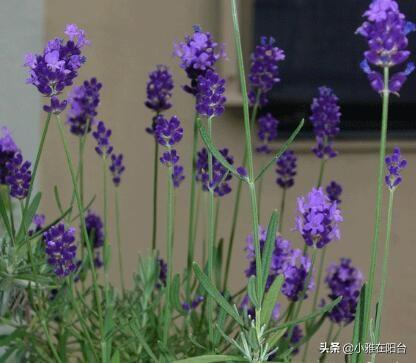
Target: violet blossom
x: 267, y: 132
x: 394, y: 164
x: 210, y: 97
x: 286, y: 169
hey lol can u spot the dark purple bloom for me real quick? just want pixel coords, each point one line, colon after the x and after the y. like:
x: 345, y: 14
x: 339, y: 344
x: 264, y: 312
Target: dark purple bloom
x: 295, y: 338
x: 344, y: 280
x: 177, y: 175
x: 286, y: 169
x: 325, y: 119
x: 83, y: 101
x: 267, y: 132
x: 168, y: 132
x: 58, y: 65
x: 194, y: 303
x: 95, y: 229
x: 197, y: 54
x: 102, y: 135
x: 61, y: 249
x: 117, y: 168
x: 56, y: 106
x: 159, y: 89
x: 18, y: 176
x: 169, y: 158
x: 242, y: 171
x: 8, y: 150
x: 38, y: 222
x: 334, y: 191
x: 210, y: 98
x: 264, y: 70
x: 163, y: 272
x: 394, y: 164
x: 220, y: 176
x: 386, y: 31
x: 318, y: 219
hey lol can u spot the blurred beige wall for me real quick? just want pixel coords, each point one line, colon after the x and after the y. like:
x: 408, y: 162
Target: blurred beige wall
x: 128, y: 39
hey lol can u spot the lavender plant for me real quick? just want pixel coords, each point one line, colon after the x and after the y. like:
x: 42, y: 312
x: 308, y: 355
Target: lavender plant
x: 57, y: 303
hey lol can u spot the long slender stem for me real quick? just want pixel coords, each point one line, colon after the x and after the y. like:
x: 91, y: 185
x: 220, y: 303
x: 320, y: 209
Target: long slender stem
x: 118, y: 233
x: 282, y: 210
x: 192, y: 218
x: 155, y: 189
x: 217, y: 214
x: 385, y: 266
x: 378, y: 209
x: 321, y: 172
x: 49, y: 340
x: 106, y: 247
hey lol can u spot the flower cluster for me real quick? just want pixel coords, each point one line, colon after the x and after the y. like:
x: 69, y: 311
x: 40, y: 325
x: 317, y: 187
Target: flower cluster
x: 194, y: 303
x: 394, y: 164
x: 61, y: 249
x: 159, y: 89
x: 95, y: 230
x: 8, y: 150
x: 58, y: 65
x: 286, y: 169
x: 197, y: 54
x: 386, y: 31
x: 318, y: 219
x: 38, y: 222
x: 163, y: 272
x: 220, y: 177
x: 102, y: 135
x: 210, y: 97
x: 18, y: 176
x: 334, y: 191
x: 285, y: 260
x: 117, y: 168
x: 267, y: 132
x: 83, y: 101
x: 264, y: 70
x: 325, y: 119
x: 344, y: 280
x: 295, y: 337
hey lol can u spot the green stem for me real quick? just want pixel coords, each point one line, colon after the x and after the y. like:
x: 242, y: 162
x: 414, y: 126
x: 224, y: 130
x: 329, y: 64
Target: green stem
x: 82, y: 220
x: 155, y: 189
x: 378, y: 208
x: 321, y: 172
x: 385, y: 265
x: 120, y: 256
x: 12, y: 225
x: 282, y: 210
x: 217, y: 213
x: 106, y: 248
x: 260, y: 190
x: 192, y: 219
x: 49, y: 340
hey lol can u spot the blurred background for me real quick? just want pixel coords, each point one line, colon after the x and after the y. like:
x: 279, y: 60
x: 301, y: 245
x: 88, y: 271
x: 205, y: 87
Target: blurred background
x: 130, y: 37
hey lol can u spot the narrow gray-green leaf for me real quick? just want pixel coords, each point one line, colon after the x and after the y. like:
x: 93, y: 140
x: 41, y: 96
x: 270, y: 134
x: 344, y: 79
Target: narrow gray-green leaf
x: 211, y: 359
x: 268, y: 248
x: 270, y: 299
x: 252, y: 292
x: 174, y: 296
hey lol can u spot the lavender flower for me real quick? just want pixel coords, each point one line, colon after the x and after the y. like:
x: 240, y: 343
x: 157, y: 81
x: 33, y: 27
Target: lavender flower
x: 220, y: 176
x: 117, y: 168
x: 169, y: 158
x: 344, y: 280
x: 168, y: 132
x: 56, y: 106
x: 264, y: 69
x: 267, y: 132
x: 197, y: 54
x: 386, y: 31
x: 194, y: 303
x: 159, y: 89
x: 325, y: 119
x: 58, y: 65
x: 95, y: 229
x: 394, y: 164
x: 286, y: 169
x: 163, y: 273
x: 295, y: 338
x: 38, y: 222
x: 210, y: 98
x: 84, y: 101
x: 178, y: 175
x: 8, y: 150
x: 18, y: 176
x: 102, y: 135
x: 334, y: 191
x: 318, y: 219
x: 61, y: 249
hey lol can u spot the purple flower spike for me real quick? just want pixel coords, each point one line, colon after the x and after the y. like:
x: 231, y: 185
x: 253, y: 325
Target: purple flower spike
x: 117, y: 168
x: 18, y: 176
x: 395, y: 164
x: 210, y: 98
x: 267, y: 132
x: 168, y: 132
x: 38, y: 222
x: 386, y: 31
x: 56, y: 106
x: 194, y: 303
x: 242, y: 171
x: 197, y: 54
x: 220, y: 177
x: 54, y: 69
x: 264, y: 70
x: 325, y: 119
x: 318, y: 219
x: 334, y: 191
x: 169, y: 158
x: 344, y: 280
x: 159, y: 89
x: 8, y: 150
x: 286, y: 169
x: 95, y: 229
x: 177, y: 175
x: 163, y: 272
x: 296, y: 337
x: 102, y: 135
x: 83, y: 101
x: 61, y: 249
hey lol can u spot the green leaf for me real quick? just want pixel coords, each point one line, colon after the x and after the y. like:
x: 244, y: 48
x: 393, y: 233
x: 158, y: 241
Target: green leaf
x: 28, y: 217
x: 211, y: 359
x: 174, y: 295
x: 251, y: 290
x: 215, y: 152
x: 358, y: 323
x: 218, y: 262
x: 270, y: 299
x: 6, y: 339
x: 4, y: 216
x: 282, y: 150
x: 269, y: 247
x: 116, y: 357
x: 216, y: 295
